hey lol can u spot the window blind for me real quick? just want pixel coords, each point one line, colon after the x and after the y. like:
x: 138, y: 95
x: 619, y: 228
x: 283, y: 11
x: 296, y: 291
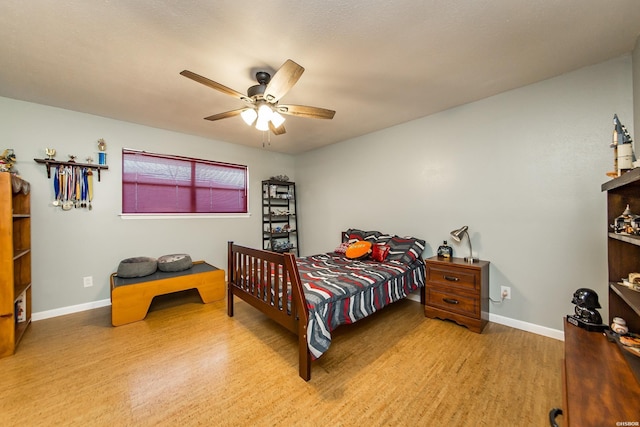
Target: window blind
x: 158, y: 183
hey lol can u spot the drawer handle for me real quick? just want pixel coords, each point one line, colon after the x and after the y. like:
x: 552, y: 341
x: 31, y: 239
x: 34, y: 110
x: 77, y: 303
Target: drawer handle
x: 450, y: 300
x: 552, y: 416
x: 451, y: 278
x: 6, y: 315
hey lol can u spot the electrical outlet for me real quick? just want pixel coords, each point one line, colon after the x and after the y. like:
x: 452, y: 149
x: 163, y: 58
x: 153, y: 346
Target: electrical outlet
x: 505, y: 291
x: 88, y: 281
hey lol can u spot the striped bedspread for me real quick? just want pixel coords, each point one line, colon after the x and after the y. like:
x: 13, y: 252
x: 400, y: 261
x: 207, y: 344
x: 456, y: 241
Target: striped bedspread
x: 341, y: 291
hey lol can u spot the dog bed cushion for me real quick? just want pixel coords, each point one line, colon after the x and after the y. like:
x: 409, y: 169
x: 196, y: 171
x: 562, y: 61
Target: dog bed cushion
x: 174, y: 262
x: 137, y: 267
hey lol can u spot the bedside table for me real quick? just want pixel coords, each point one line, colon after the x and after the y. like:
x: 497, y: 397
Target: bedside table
x: 458, y: 291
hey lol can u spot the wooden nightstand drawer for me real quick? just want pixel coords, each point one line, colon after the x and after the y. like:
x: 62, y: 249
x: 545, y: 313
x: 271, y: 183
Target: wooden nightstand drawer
x: 452, y: 302
x: 453, y: 277
x: 458, y: 290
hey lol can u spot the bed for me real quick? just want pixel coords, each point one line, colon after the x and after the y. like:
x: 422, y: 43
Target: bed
x: 311, y: 296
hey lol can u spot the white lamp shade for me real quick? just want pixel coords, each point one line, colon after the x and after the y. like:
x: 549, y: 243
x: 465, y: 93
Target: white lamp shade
x: 264, y: 113
x: 262, y: 124
x: 277, y: 119
x: 249, y: 116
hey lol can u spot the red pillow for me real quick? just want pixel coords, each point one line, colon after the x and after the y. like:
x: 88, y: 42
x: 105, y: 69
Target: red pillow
x: 380, y: 252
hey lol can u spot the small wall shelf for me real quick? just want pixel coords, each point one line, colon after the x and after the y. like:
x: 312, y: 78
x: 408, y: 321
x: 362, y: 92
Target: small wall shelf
x: 48, y: 163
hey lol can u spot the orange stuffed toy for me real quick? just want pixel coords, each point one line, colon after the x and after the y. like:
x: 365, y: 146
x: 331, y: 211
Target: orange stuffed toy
x: 359, y: 249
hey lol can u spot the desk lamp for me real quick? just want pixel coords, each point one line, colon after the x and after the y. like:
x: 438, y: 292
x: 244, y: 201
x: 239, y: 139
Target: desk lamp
x: 457, y: 236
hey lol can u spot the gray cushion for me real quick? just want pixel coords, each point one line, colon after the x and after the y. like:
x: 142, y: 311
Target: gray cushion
x: 137, y: 267
x: 174, y: 262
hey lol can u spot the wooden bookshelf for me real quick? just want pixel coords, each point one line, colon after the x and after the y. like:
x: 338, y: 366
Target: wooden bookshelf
x: 15, y: 261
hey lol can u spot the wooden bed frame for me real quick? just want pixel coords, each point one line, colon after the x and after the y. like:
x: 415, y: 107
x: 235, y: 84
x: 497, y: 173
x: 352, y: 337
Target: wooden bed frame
x: 249, y: 266
x: 249, y: 269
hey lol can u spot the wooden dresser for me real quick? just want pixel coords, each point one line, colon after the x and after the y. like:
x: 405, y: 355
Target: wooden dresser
x: 458, y: 291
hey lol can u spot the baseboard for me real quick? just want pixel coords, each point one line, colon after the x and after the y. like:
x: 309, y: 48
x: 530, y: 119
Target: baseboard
x: 41, y: 315
x: 526, y: 326
x: 514, y: 323
x: 414, y: 296
x: 507, y: 321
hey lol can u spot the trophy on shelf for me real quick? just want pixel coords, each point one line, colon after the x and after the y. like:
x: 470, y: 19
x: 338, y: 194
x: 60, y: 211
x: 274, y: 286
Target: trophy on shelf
x: 102, y: 152
x: 50, y: 152
x: 586, y: 314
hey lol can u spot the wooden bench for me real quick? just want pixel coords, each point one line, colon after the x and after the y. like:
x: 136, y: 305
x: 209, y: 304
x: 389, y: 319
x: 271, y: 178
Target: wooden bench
x: 131, y: 297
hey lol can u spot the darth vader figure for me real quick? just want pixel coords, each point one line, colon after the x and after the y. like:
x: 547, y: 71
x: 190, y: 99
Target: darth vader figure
x: 586, y: 313
x: 585, y: 297
x: 589, y: 315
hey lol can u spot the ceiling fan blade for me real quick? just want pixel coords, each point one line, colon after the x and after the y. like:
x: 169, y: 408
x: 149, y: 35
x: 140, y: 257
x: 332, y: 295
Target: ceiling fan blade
x: 305, y: 111
x: 283, y: 80
x: 225, y: 115
x: 215, y: 85
x: 277, y: 130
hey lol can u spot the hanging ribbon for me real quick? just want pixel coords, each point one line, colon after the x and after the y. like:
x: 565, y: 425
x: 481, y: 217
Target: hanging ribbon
x: 77, y: 177
x: 90, y: 186
x: 56, y: 186
x: 63, y: 184
x: 69, y: 187
x: 84, y: 188
x: 73, y: 187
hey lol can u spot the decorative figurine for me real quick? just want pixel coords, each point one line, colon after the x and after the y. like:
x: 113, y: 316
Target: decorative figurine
x: 72, y: 158
x: 586, y: 316
x: 625, y: 223
x: 50, y: 153
x: 623, y: 156
x: 635, y: 225
x: 445, y: 251
x: 7, y: 159
x: 619, y: 326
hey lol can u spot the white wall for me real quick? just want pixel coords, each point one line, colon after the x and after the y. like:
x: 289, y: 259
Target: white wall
x: 70, y: 245
x: 522, y: 169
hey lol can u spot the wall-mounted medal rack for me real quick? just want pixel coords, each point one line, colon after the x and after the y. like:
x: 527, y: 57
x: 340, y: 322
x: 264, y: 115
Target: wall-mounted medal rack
x: 51, y: 162
x: 72, y: 182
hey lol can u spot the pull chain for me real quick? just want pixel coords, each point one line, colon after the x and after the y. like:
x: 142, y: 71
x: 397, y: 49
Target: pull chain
x: 266, y: 135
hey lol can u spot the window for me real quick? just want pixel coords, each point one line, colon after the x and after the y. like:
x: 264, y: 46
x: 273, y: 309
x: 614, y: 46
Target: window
x: 158, y: 183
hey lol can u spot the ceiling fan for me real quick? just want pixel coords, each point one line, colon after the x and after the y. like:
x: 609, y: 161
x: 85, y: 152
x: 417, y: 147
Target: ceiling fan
x: 262, y: 99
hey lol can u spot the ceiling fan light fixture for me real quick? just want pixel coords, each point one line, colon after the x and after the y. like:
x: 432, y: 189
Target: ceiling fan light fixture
x: 249, y: 116
x: 277, y: 119
x: 261, y: 107
x: 262, y: 124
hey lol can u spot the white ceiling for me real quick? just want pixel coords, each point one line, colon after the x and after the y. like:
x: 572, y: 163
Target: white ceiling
x: 376, y: 62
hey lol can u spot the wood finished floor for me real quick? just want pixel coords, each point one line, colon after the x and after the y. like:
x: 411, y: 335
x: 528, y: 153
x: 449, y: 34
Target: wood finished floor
x: 190, y: 364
